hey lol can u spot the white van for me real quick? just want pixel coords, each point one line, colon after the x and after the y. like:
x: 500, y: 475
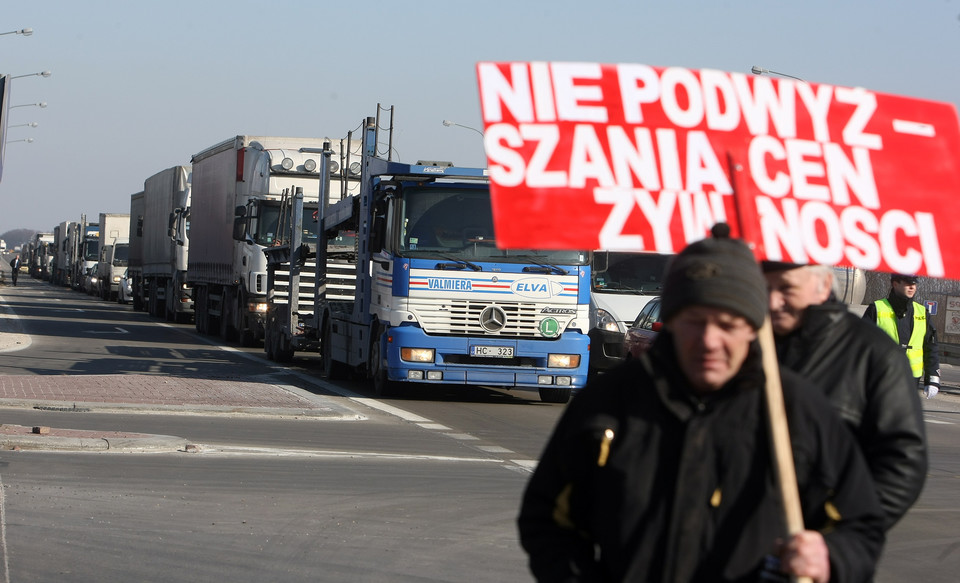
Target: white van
x: 622, y: 284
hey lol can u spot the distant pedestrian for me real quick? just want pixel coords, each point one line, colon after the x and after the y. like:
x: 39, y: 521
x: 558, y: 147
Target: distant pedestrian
x: 661, y: 469
x: 15, y: 268
x: 907, y: 323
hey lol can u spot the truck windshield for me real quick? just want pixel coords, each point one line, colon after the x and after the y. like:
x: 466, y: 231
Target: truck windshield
x: 265, y: 227
x: 629, y: 273
x: 91, y: 250
x: 121, y: 255
x: 456, y: 223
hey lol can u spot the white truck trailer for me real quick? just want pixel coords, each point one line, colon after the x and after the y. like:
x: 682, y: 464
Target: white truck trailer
x: 235, y: 206
x: 165, y: 245
x: 61, y: 259
x: 114, y: 253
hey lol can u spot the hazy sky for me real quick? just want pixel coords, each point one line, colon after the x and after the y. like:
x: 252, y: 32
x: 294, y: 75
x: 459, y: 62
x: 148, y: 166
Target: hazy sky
x: 139, y: 86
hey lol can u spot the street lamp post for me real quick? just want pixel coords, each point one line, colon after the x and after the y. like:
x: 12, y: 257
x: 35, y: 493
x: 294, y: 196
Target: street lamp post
x: 42, y: 104
x: 449, y: 123
x: 22, y: 31
x: 757, y: 70
x: 32, y: 124
x: 40, y: 74
x: 27, y: 140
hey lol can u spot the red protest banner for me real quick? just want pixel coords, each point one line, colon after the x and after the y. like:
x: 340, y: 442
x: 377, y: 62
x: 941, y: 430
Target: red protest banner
x: 639, y: 158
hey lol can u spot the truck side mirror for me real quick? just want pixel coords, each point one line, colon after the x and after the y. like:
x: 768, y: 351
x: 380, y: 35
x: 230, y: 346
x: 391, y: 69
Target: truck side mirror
x: 239, y: 229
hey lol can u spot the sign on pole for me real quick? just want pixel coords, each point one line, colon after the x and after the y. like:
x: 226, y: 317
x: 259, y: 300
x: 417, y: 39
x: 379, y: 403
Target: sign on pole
x: 638, y: 158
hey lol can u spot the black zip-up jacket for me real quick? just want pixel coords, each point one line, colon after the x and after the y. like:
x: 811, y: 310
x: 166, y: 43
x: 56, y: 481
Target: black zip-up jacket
x: 867, y: 379
x: 643, y: 481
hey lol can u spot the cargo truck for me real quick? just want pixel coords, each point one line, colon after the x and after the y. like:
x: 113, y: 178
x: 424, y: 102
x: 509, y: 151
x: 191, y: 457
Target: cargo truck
x: 409, y: 287
x: 35, y: 256
x: 164, y: 228
x: 235, y: 204
x: 135, y: 253
x: 84, y: 250
x: 114, y: 251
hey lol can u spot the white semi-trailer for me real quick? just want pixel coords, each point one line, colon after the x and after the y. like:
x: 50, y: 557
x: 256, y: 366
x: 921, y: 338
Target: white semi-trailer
x: 235, y: 207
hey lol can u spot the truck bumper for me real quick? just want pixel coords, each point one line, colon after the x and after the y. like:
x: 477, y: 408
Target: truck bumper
x: 455, y: 361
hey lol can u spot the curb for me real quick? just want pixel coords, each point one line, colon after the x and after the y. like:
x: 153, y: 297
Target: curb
x: 22, y: 438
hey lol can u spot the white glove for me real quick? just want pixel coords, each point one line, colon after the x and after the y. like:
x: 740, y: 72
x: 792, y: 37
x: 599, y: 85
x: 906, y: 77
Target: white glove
x: 930, y: 391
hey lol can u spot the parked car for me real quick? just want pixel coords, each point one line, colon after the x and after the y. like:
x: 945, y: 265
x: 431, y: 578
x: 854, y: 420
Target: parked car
x: 125, y: 291
x: 644, y: 329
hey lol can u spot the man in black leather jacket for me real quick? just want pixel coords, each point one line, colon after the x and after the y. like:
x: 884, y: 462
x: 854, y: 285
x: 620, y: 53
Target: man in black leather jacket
x: 661, y: 469
x: 862, y: 372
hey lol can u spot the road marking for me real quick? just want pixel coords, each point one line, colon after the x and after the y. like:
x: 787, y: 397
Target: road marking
x: 3, y: 534
x: 939, y: 422
x: 120, y: 331
x: 434, y: 426
x: 525, y: 464
x: 320, y: 453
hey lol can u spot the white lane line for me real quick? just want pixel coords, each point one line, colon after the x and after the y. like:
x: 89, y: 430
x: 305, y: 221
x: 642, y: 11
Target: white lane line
x: 939, y: 422
x: 3, y: 534
x: 281, y: 452
x: 434, y: 426
x: 525, y: 464
x: 493, y: 449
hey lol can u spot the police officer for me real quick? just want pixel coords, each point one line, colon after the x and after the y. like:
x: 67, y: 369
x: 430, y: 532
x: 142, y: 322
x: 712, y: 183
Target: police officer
x: 907, y: 323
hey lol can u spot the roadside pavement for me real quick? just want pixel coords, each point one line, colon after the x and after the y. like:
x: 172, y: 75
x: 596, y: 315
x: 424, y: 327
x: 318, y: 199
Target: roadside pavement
x: 148, y: 394
x: 260, y: 396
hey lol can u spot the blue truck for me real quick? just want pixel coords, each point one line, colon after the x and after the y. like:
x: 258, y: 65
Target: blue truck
x: 403, y: 283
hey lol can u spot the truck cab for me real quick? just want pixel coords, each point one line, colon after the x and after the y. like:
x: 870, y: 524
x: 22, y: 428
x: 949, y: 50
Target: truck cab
x: 114, y: 259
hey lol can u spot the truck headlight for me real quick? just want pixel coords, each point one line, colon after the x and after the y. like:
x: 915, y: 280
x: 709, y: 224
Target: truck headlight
x: 563, y: 360
x: 258, y: 307
x: 417, y: 354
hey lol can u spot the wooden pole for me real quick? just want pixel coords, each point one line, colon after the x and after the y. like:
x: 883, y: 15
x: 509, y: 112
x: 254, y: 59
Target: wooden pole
x: 785, y: 472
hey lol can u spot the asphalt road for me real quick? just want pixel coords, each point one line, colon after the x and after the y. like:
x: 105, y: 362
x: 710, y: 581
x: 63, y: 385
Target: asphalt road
x: 419, y: 488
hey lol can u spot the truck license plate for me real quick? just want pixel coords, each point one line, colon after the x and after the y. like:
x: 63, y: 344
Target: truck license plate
x: 492, y: 351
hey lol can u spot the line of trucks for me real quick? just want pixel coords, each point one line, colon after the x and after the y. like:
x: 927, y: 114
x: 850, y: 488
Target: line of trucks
x: 388, y: 271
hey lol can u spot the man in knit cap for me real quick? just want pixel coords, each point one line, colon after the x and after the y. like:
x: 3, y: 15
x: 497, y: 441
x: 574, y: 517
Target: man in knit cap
x: 662, y: 471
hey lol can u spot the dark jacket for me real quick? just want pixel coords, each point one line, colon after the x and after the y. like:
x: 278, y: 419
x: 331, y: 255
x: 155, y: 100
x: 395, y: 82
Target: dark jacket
x: 867, y: 379
x: 903, y: 308
x: 684, y: 489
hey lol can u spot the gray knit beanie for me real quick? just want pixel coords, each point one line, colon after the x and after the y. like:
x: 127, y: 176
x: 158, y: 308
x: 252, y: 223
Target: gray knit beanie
x: 719, y: 272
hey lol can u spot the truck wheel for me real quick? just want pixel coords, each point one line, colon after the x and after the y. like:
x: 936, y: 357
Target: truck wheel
x: 284, y: 352
x: 200, y: 318
x: 168, y: 314
x: 555, y: 395
x: 268, y: 344
x: 333, y: 370
x: 382, y: 385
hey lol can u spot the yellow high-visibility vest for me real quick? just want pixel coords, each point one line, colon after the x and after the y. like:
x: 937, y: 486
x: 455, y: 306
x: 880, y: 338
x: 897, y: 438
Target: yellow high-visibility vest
x: 887, y: 321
